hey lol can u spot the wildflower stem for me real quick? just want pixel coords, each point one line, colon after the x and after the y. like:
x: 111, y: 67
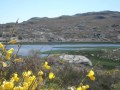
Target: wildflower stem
x: 19, y: 46
x: 83, y: 79
x: 96, y: 65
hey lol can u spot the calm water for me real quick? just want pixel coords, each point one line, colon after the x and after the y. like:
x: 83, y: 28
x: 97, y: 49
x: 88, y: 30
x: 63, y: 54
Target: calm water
x: 26, y: 49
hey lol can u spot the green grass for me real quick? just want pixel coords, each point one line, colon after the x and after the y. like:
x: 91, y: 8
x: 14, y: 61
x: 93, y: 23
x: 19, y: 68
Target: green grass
x: 105, y: 62
x: 102, y: 47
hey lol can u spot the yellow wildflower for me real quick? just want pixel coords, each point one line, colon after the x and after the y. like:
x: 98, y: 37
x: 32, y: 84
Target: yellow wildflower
x: 19, y: 88
x: 46, y: 66
x: 30, y: 79
x: 4, y: 64
x: 92, y: 78
x: 18, y: 60
x: 12, y: 41
x: 16, y: 77
x: 91, y: 75
x: 25, y: 86
x: 8, y: 56
x: 8, y: 53
x: 51, y: 75
x: 40, y: 73
x: 29, y: 72
x: 11, y: 50
x: 34, y: 86
x: 79, y: 88
x: 26, y: 74
x: 87, y: 86
x: 7, y: 85
x: 40, y: 79
x: 83, y: 87
x: 2, y: 47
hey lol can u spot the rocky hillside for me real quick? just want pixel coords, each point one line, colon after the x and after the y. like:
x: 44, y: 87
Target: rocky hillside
x: 87, y: 27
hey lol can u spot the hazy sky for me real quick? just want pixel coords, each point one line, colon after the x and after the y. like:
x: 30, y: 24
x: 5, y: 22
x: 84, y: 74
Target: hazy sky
x: 11, y: 10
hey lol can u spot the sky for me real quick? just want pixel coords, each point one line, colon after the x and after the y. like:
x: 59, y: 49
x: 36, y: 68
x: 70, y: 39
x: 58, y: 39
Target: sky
x: 11, y: 10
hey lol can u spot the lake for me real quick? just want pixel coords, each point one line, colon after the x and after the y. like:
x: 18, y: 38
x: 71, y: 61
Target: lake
x: 27, y: 49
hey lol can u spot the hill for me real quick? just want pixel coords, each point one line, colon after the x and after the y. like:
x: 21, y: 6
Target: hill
x: 101, y: 26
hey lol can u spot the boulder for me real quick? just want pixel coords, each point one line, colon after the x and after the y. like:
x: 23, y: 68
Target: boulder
x: 75, y: 59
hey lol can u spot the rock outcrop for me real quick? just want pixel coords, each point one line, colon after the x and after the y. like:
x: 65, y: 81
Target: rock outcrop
x: 76, y: 59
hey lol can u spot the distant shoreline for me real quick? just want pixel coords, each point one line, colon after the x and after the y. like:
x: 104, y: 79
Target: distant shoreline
x: 32, y: 43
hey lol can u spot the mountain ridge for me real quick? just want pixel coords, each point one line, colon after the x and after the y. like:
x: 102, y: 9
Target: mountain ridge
x: 101, y: 26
